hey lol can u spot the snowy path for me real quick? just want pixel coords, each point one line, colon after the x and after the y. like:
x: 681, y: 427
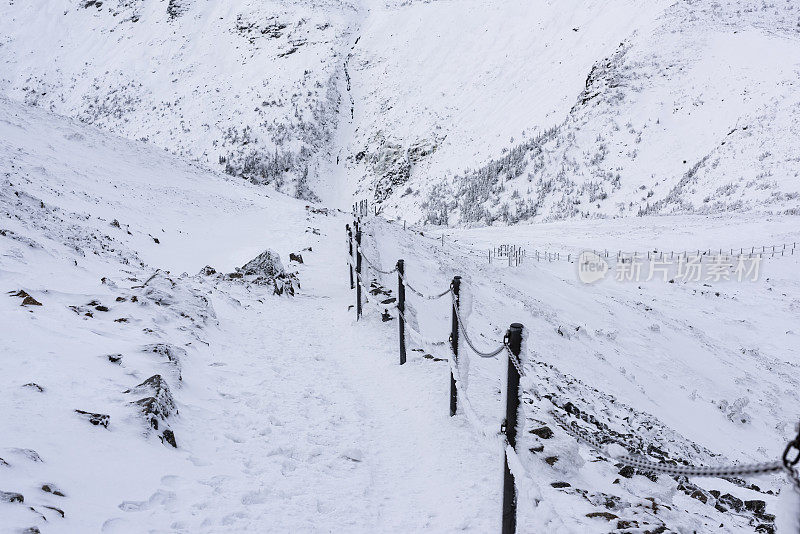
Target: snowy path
x: 306, y: 423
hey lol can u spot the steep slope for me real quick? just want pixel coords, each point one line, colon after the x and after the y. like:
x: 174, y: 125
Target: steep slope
x: 249, y: 87
x: 506, y: 112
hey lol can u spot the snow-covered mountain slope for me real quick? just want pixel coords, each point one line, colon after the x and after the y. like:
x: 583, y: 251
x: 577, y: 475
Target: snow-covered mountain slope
x: 689, y: 372
x: 464, y: 112
x: 207, y: 402
x: 249, y: 86
x: 475, y: 112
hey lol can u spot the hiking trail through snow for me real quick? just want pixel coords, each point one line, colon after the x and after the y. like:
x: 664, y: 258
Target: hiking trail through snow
x: 308, y: 422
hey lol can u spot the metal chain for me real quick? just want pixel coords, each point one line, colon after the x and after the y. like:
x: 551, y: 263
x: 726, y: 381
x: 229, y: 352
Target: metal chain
x: 375, y: 267
x: 790, y: 464
x: 687, y: 470
x: 514, y: 359
x: 463, y: 330
x: 423, y: 295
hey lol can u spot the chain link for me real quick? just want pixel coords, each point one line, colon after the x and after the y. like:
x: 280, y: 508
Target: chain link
x: 423, y: 295
x: 374, y: 267
x: 514, y: 360
x: 686, y: 470
x: 790, y: 464
x: 463, y: 330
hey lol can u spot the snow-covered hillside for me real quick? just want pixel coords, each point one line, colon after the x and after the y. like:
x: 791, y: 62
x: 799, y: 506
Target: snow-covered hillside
x: 474, y: 112
x: 444, y: 111
x: 252, y: 87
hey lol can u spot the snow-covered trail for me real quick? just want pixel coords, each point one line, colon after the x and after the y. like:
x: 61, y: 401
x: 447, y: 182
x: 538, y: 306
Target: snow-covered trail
x: 303, y: 421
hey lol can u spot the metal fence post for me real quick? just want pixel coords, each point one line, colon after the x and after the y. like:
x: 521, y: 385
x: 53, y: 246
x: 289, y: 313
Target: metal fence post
x: 350, y: 252
x: 510, y: 426
x: 456, y: 287
x: 358, y: 273
x: 401, y: 306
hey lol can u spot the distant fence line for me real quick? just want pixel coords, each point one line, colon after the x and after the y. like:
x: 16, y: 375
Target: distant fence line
x: 511, y: 348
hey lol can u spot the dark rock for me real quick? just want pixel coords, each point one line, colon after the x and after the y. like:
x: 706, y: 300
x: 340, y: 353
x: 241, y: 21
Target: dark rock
x: 626, y: 524
x: 571, y: 409
x: 700, y: 496
x: 30, y: 301
x: 121, y: 299
x: 94, y: 303
x: 33, y: 385
x: 114, y: 358
x: 537, y: 449
x: 551, y: 460
x: 10, y: 496
x: 97, y: 419
x: 627, y: 471
x: 766, y: 528
x: 157, y: 407
x: 101, y: 308
x: 715, y: 493
x: 296, y: 257
x: 115, y: 223
x: 758, y: 507
x: 543, y: 432
x: 604, y: 515
x: 156, y: 240
x: 268, y: 264
x: 731, y: 502
x: 3, y: 463
x: 648, y: 474
x: 208, y: 271
x: 51, y: 488
x: 385, y: 316
x: 56, y: 510
x: 169, y: 437
x: 560, y: 484
x: 121, y: 320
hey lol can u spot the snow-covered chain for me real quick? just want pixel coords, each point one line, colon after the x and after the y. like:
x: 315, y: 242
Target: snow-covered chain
x: 463, y: 330
x: 374, y: 267
x: 687, y: 470
x: 422, y: 295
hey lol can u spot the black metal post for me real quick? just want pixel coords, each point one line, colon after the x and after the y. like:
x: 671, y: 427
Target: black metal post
x: 358, y: 274
x: 512, y: 406
x: 401, y: 306
x: 456, y: 287
x: 350, y: 252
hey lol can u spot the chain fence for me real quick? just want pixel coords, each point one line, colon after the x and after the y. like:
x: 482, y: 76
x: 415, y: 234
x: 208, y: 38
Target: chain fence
x: 788, y: 464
